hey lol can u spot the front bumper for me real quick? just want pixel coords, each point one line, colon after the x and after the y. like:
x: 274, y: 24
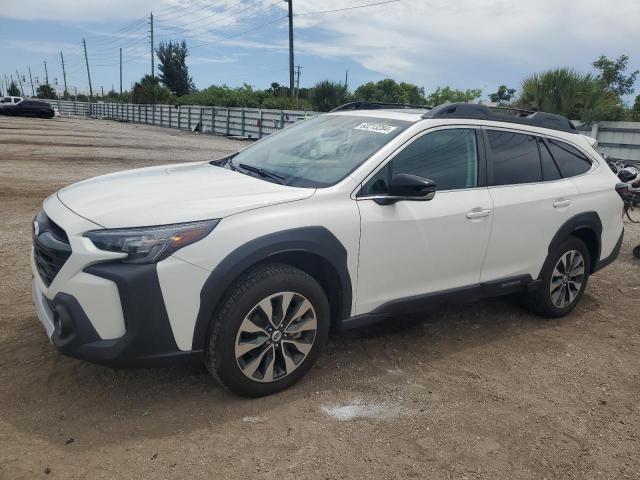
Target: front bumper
x: 102, y: 310
x: 148, y: 340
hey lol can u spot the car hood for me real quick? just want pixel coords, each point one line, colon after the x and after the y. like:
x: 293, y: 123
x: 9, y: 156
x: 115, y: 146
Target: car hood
x: 172, y: 194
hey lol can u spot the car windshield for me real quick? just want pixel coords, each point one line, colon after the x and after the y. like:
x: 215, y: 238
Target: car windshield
x: 320, y: 151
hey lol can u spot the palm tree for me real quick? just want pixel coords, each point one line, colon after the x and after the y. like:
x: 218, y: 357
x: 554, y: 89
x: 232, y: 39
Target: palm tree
x: 570, y: 93
x: 327, y: 95
x: 149, y: 90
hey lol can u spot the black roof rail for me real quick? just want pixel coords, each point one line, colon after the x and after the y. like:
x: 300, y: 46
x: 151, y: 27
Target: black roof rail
x: 360, y: 105
x: 496, y: 114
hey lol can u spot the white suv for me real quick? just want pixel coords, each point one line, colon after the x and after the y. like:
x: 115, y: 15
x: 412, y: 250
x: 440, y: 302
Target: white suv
x: 338, y: 221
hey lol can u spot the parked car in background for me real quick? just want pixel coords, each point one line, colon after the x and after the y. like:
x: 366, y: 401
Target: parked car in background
x: 28, y: 108
x: 10, y: 101
x: 338, y: 221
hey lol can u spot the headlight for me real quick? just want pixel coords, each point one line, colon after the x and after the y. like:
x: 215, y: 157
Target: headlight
x: 150, y: 244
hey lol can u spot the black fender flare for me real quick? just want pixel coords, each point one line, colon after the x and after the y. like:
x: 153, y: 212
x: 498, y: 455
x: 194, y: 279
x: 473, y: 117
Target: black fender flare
x: 588, y: 220
x: 314, y: 239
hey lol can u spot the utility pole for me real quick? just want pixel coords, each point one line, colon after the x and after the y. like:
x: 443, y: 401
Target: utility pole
x: 291, y: 60
x: 151, y: 25
x: 346, y: 79
x: 120, y: 70
x: 64, y: 75
x: 33, y: 92
x: 298, y: 68
x: 86, y: 59
x: 46, y: 75
x: 20, y: 82
x: 102, y: 90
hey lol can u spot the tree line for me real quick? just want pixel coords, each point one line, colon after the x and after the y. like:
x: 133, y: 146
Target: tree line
x: 592, y: 96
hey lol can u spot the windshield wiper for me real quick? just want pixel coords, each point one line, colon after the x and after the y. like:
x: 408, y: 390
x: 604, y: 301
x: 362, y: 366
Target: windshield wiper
x: 261, y: 171
x: 220, y: 162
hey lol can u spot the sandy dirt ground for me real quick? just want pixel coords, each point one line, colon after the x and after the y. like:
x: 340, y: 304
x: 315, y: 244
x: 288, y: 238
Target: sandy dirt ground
x: 485, y: 390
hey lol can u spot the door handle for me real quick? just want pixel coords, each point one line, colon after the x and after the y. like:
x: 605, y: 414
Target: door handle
x: 561, y: 203
x: 477, y: 214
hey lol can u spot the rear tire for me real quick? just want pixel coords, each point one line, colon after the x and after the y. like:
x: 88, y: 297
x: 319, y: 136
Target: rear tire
x: 564, y: 279
x: 270, y: 328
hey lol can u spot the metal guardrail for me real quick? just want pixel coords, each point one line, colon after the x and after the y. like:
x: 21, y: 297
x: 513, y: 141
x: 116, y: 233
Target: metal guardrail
x: 230, y: 121
x: 70, y: 107
x: 620, y: 140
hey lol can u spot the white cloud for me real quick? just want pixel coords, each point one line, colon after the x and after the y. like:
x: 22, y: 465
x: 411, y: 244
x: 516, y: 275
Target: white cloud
x: 199, y: 60
x: 40, y: 47
x: 80, y: 10
x: 415, y: 36
x: 465, y: 43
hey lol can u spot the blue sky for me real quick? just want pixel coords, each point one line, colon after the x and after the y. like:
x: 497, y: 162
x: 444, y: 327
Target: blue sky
x: 463, y: 43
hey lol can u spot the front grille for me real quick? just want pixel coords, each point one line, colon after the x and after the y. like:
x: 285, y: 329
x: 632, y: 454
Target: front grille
x: 51, y: 247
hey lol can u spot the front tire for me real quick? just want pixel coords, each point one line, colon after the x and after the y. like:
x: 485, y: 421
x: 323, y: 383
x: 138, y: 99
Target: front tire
x: 563, y: 280
x: 269, y: 330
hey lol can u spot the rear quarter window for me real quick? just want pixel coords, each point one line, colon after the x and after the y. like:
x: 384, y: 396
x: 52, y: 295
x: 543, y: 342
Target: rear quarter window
x: 570, y: 160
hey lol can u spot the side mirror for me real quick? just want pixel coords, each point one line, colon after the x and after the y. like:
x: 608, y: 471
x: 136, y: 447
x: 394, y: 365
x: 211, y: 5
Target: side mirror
x: 404, y: 186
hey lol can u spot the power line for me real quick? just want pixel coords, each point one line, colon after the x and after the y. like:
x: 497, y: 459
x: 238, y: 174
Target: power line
x: 122, y: 32
x: 259, y: 27
x: 346, y: 8
x: 131, y: 25
x: 131, y: 39
x: 217, y: 41
x: 187, y: 9
x: 192, y: 34
x: 177, y: 7
x: 183, y: 28
x: 129, y: 44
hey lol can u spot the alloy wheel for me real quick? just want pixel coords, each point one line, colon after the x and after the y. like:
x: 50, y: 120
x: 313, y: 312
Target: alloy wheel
x: 567, y: 279
x: 276, y: 336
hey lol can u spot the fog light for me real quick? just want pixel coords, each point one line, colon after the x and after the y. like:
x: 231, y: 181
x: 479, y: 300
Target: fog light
x: 62, y: 318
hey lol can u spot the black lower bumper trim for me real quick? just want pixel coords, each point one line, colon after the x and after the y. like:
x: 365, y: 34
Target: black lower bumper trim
x: 148, y: 340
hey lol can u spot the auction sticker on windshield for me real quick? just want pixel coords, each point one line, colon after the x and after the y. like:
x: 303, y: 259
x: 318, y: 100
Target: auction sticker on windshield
x: 376, y: 127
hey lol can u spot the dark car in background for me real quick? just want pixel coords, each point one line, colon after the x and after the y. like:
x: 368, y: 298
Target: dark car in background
x: 28, y: 108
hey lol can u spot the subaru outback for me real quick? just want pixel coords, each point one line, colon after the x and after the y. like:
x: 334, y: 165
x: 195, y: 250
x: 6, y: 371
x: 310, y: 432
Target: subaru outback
x: 339, y: 221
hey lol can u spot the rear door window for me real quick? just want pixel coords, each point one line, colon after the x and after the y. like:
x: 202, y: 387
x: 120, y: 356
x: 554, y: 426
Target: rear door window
x: 569, y: 159
x: 514, y: 158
